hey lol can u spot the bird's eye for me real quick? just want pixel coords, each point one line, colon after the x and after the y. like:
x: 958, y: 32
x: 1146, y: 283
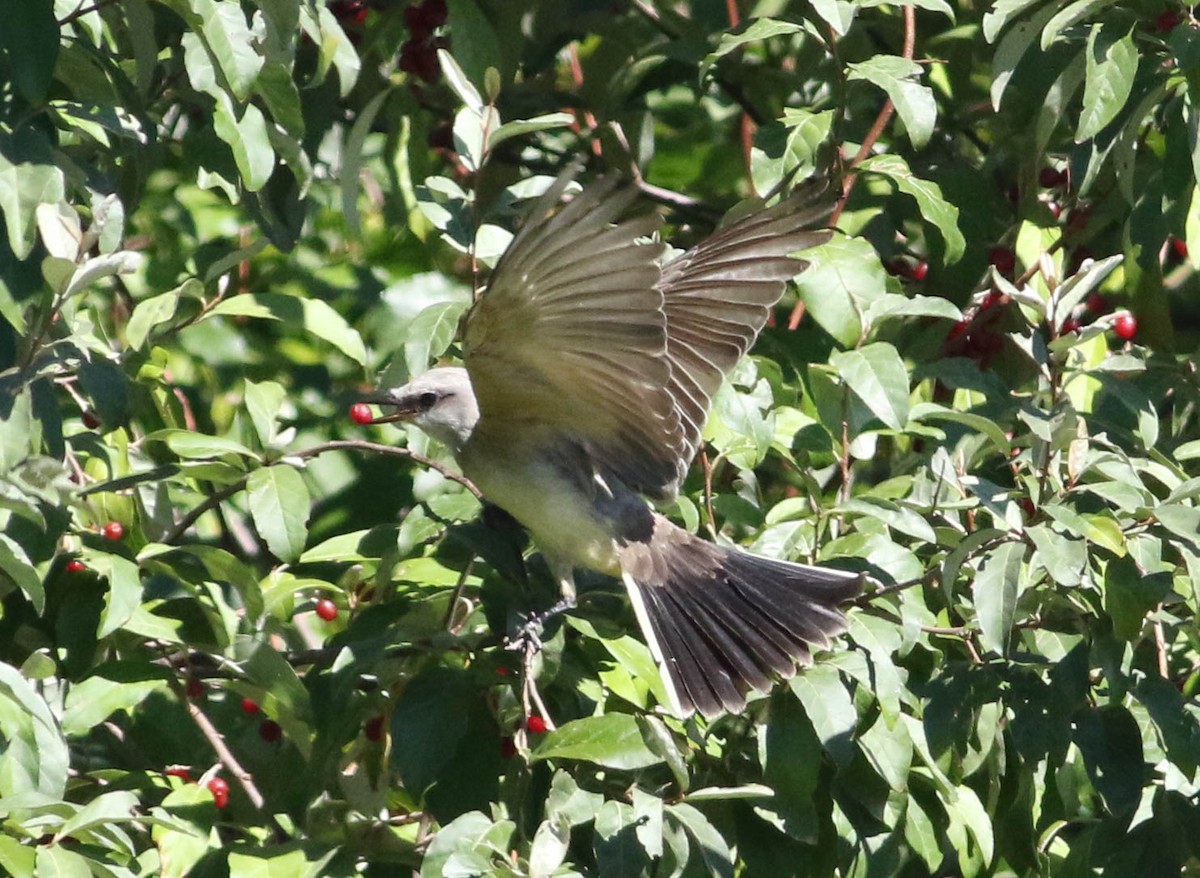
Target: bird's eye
x: 428, y: 399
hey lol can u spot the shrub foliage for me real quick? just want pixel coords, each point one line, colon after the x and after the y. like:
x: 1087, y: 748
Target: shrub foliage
x: 244, y: 635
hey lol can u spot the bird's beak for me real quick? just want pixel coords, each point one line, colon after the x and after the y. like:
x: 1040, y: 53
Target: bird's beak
x: 387, y: 400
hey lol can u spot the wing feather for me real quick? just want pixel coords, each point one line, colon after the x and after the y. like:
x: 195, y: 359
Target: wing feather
x: 570, y: 335
x: 581, y: 331
x: 717, y: 298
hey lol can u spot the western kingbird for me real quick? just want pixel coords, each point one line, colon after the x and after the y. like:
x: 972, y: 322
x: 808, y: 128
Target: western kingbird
x: 589, y: 372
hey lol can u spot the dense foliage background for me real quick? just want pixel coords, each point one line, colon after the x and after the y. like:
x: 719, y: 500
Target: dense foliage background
x: 243, y: 635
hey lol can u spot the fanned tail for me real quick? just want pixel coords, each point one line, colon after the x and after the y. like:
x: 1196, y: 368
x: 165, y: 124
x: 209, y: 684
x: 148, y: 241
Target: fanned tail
x: 722, y: 622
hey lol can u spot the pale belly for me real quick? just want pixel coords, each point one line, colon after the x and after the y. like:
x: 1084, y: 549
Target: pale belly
x: 562, y: 518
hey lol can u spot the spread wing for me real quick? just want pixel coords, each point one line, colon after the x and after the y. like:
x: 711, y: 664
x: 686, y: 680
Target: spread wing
x: 570, y: 337
x: 580, y: 332
x: 717, y: 298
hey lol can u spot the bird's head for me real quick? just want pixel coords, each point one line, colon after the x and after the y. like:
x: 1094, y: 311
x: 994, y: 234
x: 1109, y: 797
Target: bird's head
x: 441, y: 402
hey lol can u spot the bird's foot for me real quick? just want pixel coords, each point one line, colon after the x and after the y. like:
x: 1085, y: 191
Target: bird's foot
x: 529, y: 635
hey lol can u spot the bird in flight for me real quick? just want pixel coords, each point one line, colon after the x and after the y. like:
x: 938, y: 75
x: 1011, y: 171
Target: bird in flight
x: 589, y: 371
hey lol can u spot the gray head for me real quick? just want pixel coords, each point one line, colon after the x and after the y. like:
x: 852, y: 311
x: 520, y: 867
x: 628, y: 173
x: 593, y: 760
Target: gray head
x: 441, y: 402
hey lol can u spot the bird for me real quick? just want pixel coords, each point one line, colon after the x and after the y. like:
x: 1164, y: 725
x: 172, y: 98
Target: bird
x: 589, y: 366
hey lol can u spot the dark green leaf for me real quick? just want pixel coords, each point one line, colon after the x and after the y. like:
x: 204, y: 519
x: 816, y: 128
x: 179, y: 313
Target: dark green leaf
x: 279, y: 502
x: 995, y: 592
x: 612, y: 740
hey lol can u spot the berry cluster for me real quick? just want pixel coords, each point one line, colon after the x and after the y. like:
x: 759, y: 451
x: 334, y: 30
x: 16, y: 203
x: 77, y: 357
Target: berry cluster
x: 418, y: 55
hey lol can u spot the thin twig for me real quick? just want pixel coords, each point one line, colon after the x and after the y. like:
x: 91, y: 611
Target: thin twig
x: 304, y: 454
x: 873, y: 135
x: 225, y: 755
x: 1160, y: 646
x: 707, y: 466
x: 529, y: 689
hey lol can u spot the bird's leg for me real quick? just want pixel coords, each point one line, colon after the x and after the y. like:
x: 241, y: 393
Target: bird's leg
x: 530, y: 632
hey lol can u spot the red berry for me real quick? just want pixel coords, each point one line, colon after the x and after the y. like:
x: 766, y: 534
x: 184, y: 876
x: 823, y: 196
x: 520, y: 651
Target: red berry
x: 1003, y: 259
x: 1097, y: 304
x: 508, y: 747
x: 920, y: 271
x: 90, y: 420
x: 1027, y: 506
x: 360, y: 413
x: 898, y: 268
x: 1125, y: 325
x: 327, y: 609
x: 994, y: 298
x: 220, y: 791
x: 195, y: 689
x: 270, y: 731
x: 1055, y: 209
x: 1167, y: 21
x: 373, y: 730
x: 250, y: 706
x: 502, y: 671
x: 182, y: 773
x: 1050, y: 177
x: 114, y: 530
x: 1070, y: 325
x: 958, y: 329
x: 1179, y: 247
x: 535, y: 724
x: 76, y: 566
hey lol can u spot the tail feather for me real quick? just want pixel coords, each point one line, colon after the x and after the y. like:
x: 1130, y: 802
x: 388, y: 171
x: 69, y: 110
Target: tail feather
x: 691, y: 669
x: 721, y: 622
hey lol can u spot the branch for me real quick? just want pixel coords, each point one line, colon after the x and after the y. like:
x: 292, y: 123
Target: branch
x: 217, y: 499
x: 876, y: 131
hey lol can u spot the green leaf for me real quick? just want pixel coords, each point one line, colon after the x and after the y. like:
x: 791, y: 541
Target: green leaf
x: 93, y: 700
x: 933, y: 205
x: 315, y: 315
x: 791, y: 756
x: 751, y: 32
x: 151, y: 312
x: 612, y: 740
x: 714, y: 850
x: 247, y: 137
x: 844, y: 278
x: 995, y: 594
x: 15, y: 564
x: 985, y: 426
x: 197, y: 446
x: 549, y: 846
x: 335, y: 47
x: 472, y: 832
x: 1112, y: 62
x: 279, y: 503
x: 35, y: 754
x: 430, y: 333
x: 230, y: 42
x: 878, y: 377
x: 1111, y: 743
x: 264, y: 401
x: 827, y: 703
x: 1129, y: 594
x: 1071, y: 14
x: 517, y: 127
x: 619, y: 851
x: 124, y: 590
x: 899, y: 78
x: 30, y: 39
x: 23, y: 187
